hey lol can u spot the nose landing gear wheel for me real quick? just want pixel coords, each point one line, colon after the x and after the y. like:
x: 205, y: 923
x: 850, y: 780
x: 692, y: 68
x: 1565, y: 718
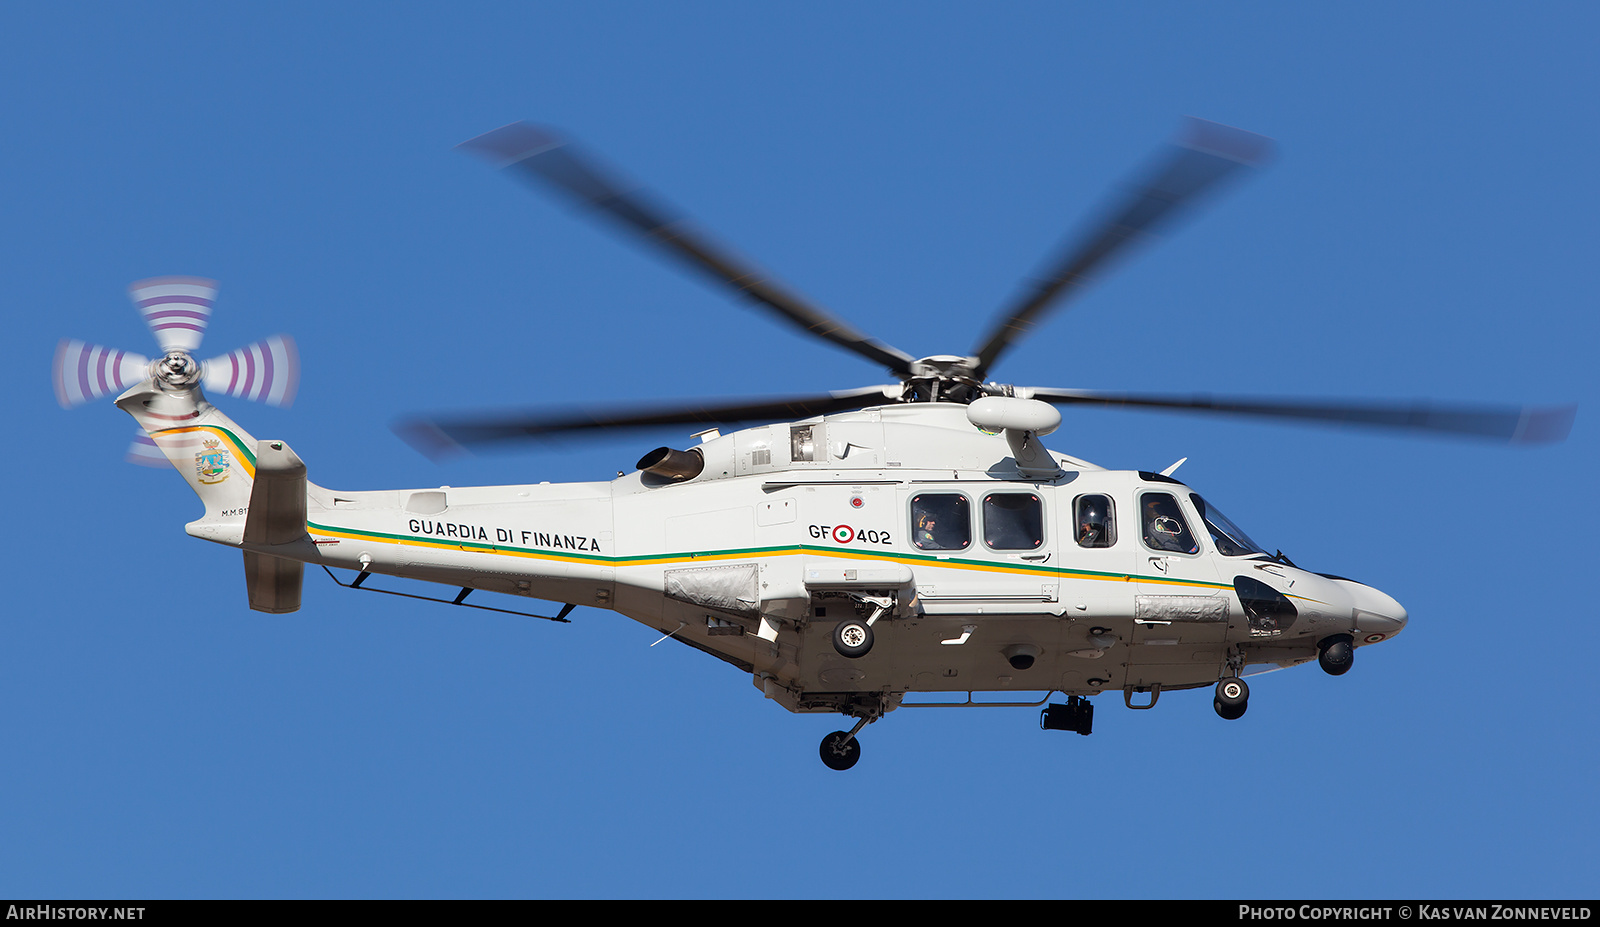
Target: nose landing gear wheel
x: 839, y: 753
x: 852, y: 639
x: 1232, y: 698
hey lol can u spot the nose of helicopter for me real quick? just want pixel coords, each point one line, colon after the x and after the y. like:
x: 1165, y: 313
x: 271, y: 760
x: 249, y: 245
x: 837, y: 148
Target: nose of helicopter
x: 1378, y: 616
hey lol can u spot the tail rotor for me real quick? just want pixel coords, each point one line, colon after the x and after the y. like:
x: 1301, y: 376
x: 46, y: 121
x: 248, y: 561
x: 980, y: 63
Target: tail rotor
x: 267, y: 371
x: 85, y: 372
x: 177, y: 311
x: 144, y: 452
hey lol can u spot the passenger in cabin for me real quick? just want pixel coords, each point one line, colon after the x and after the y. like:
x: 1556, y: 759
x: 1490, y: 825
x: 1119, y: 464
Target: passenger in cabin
x: 1092, y: 522
x: 940, y: 521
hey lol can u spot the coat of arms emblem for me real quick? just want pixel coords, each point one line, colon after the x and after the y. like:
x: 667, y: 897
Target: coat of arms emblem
x: 211, y: 464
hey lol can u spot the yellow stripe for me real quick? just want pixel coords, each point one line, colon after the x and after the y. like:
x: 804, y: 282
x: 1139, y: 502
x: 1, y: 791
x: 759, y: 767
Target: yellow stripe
x: 841, y: 554
x: 669, y: 559
x: 473, y: 548
x: 239, y: 453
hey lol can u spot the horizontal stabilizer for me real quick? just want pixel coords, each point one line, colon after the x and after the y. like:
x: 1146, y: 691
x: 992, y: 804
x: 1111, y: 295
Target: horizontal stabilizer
x: 274, y: 582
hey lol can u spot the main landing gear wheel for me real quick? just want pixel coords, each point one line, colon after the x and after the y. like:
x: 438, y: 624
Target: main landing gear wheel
x: 839, y: 752
x: 852, y: 639
x: 1232, y: 698
x: 1336, y: 654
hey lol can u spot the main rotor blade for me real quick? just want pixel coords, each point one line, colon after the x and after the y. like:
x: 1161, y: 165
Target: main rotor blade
x: 530, y: 151
x: 1513, y: 424
x: 438, y: 437
x: 1210, y: 154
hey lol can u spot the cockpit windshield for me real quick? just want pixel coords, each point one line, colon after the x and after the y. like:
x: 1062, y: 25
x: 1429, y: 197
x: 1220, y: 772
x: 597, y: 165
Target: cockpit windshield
x: 1230, y: 541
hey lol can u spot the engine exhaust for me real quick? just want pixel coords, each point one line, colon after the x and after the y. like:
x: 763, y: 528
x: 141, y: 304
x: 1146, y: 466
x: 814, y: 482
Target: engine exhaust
x: 672, y: 464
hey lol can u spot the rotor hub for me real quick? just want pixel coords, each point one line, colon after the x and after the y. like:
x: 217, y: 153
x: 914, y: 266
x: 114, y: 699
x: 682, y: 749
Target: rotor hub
x: 944, y: 366
x: 177, y: 370
x: 943, y: 378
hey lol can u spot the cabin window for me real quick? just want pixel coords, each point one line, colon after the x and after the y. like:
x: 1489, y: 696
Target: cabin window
x: 1013, y: 521
x: 1095, y: 521
x: 801, y: 446
x: 1164, y: 526
x: 940, y: 521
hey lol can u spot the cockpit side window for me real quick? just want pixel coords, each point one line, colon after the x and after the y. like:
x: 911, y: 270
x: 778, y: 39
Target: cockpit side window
x: 941, y: 521
x: 1163, y: 524
x: 1095, y: 521
x: 1013, y: 521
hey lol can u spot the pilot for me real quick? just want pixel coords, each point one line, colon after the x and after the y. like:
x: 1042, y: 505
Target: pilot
x: 925, y: 537
x: 1162, y: 531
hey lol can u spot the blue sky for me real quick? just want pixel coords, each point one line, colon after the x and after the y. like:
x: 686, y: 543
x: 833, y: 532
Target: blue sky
x: 1426, y: 230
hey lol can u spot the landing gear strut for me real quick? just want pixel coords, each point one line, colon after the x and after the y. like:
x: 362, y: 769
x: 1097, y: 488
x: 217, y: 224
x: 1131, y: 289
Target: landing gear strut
x: 1232, y: 698
x: 853, y: 637
x: 840, y: 750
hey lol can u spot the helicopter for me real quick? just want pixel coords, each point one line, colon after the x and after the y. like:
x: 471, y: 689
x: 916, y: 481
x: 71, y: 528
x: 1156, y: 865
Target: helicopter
x: 844, y: 550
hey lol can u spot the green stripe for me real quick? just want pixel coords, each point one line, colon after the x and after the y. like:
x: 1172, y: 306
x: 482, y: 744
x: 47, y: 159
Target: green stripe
x: 241, y: 445
x: 248, y: 451
x: 1009, y: 567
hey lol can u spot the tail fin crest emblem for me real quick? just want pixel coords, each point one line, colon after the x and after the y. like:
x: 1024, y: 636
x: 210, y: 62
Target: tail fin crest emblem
x: 212, y: 464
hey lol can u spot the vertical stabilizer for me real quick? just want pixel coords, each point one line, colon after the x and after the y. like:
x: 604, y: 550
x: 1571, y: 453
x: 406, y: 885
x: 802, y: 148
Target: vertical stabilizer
x: 213, y: 454
x: 277, y: 519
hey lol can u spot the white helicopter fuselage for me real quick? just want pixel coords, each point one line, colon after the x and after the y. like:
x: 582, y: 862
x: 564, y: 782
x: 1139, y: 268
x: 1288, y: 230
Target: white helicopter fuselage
x: 910, y: 537
x: 974, y: 574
